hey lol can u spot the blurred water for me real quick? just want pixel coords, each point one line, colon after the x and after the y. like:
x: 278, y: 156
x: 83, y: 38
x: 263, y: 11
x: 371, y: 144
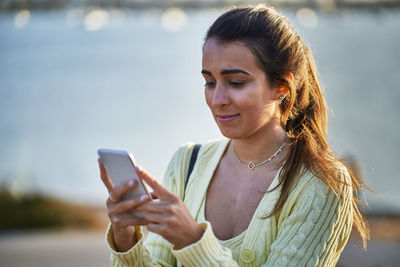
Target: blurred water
x: 64, y: 92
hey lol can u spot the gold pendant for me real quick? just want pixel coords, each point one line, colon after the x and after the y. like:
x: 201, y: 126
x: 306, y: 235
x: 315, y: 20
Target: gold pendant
x: 251, y: 165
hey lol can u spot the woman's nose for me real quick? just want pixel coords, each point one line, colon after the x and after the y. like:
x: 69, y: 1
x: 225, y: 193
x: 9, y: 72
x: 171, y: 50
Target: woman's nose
x: 221, y: 96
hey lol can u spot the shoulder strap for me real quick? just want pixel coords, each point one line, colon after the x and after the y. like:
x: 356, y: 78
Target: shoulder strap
x: 193, y: 158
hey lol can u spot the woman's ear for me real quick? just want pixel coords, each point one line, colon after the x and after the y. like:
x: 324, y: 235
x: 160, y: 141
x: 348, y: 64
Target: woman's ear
x: 282, y: 92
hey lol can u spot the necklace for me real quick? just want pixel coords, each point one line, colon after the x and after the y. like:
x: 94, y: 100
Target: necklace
x: 252, y: 165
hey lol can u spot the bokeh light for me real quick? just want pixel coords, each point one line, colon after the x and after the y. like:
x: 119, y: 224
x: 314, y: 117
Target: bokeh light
x: 96, y: 20
x: 307, y: 17
x: 22, y: 19
x: 173, y: 19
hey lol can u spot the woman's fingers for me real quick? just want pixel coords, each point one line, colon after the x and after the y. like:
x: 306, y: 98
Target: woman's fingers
x: 156, y: 207
x: 124, y: 206
x: 124, y: 221
x: 162, y: 192
x: 105, y: 177
x: 121, y: 189
x: 152, y: 217
x: 157, y: 228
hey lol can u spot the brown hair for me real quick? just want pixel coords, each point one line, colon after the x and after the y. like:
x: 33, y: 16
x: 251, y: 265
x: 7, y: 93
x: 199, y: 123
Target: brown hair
x: 279, y: 51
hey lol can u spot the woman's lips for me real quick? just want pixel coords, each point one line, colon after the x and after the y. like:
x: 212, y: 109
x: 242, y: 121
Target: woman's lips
x: 226, y: 118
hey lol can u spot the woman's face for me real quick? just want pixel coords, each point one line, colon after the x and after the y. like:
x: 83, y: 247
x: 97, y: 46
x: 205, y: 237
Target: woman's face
x: 237, y: 91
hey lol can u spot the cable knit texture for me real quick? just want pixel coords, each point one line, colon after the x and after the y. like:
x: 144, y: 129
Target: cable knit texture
x: 311, y: 229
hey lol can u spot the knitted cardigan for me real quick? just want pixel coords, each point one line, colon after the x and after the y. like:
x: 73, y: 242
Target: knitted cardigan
x: 311, y: 229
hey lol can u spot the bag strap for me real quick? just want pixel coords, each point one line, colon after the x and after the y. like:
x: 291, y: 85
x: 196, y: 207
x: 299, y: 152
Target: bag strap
x: 193, y: 157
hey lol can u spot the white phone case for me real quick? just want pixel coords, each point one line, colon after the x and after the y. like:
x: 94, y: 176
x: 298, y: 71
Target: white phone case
x: 120, y: 166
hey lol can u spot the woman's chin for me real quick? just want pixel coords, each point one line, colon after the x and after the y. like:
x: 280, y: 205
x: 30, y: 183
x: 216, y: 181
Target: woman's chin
x: 231, y: 130
x: 230, y: 133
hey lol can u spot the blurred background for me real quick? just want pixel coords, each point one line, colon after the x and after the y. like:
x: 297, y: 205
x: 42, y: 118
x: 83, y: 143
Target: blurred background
x: 78, y: 75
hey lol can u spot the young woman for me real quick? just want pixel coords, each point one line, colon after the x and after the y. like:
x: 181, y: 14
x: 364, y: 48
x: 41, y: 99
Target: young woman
x: 272, y: 193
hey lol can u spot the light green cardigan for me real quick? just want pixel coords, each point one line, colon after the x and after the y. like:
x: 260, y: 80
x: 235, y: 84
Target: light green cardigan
x: 311, y: 229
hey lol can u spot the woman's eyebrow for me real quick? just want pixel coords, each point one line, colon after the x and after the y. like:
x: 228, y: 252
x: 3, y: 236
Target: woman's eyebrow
x: 224, y: 72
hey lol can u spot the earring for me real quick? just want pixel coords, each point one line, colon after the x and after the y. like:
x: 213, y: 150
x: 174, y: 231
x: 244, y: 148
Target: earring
x: 280, y: 99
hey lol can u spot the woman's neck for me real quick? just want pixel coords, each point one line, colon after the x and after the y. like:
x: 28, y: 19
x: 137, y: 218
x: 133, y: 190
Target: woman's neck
x: 261, y: 145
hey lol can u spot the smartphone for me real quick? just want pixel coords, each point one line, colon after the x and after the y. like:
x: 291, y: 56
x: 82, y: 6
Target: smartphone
x: 120, y: 166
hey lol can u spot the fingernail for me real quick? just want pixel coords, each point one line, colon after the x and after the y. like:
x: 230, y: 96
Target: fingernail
x: 143, y: 197
x: 138, y: 169
x: 114, y: 219
x: 131, y: 182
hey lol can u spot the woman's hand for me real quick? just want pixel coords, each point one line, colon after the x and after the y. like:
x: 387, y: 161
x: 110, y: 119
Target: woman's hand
x: 122, y: 222
x: 168, y: 217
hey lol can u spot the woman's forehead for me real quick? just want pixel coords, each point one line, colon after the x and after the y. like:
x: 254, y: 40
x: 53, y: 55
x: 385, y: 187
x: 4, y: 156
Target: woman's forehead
x: 216, y: 44
x: 233, y: 54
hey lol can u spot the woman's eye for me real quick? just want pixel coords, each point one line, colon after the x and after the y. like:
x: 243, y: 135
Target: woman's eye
x: 237, y: 84
x: 209, y: 84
